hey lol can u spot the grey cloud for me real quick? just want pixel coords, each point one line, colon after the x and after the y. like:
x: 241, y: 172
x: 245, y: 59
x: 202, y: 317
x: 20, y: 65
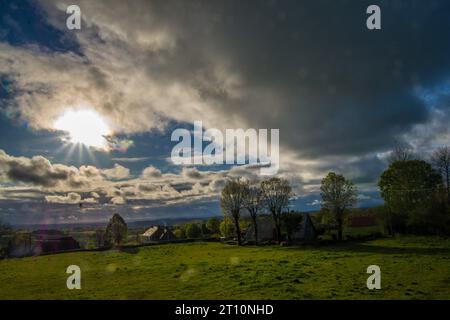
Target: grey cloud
x: 117, y: 172
x: 257, y: 65
x: 151, y: 172
x: 37, y: 170
x: 70, y: 198
x: 192, y: 173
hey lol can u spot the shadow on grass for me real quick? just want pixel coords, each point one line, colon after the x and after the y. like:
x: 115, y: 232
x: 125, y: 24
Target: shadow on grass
x: 362, y: 247
x: 130, y: 250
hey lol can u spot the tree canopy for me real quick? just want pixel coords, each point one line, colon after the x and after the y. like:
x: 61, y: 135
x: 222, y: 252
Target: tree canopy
x: 408, y: 184
x: 232, y: 201
x: 337, y: 194
x: 276, y: 195
x: 117, y: 230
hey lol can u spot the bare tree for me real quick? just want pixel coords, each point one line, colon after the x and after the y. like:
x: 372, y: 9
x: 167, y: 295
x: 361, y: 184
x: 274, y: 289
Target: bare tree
x: 276, y: 195
x: 232, y: 201
x: 337, y: 194
x: 254, y: 204
x: 441, y: 160
x: 401, y: 153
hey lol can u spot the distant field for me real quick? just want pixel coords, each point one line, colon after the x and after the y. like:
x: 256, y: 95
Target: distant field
x: 412, y: 268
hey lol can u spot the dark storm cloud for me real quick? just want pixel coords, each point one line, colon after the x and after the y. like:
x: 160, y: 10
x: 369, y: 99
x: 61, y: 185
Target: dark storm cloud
x: 333, y: 87
x: 37, y: 170
x: 310, y: 68
x: 362, y: 170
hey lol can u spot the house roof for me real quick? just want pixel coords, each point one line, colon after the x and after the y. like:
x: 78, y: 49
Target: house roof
x: 151, y: 231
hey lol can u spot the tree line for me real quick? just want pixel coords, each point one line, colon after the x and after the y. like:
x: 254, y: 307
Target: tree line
x: 416, y: 192
x: 416, y: 195
x: 274, y: 195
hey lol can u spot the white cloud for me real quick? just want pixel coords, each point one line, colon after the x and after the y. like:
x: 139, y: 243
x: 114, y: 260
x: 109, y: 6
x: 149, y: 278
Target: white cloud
x: 151, y: 172
x: 118, y: 172
x: 70, y: 198
x: 118, y: 200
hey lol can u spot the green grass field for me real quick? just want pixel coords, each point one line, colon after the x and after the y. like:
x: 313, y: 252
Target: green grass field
x: 412, y: 268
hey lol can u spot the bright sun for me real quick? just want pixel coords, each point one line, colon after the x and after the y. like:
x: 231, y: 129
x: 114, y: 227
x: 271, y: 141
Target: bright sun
x: 84, y: 126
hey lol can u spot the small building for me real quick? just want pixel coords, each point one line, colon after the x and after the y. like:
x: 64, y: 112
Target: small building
x: 39, y: 242
x: 158, y: 233
x: 305, y: 231
x: 55, y: 244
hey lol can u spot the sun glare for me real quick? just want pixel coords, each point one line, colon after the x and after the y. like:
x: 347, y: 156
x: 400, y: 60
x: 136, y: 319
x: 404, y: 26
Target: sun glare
x: 85, y: 127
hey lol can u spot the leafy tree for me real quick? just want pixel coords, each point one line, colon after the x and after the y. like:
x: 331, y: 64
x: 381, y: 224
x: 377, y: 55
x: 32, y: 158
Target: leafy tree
x: 179, y: 233
x: 5, y: 228
x: 325, y: 216
x: 383, y: 215
x: 406, y: 187
x: 441, y: 161
x: 338, y: 194
x: 193, y: 230
x: 213, y: 225
x: 276, y: 194
x: 20, y: 244
x: 99, y: 238
x: 116, y: 231
x: 232, y: 201
x: 429, y: 219
x: 254, y: 204
x: 291, y: 222
x: 204, y: 229
x: 227, y: 228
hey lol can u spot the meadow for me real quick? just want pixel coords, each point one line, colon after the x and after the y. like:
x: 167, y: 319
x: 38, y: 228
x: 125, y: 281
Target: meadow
x: 411, y: 268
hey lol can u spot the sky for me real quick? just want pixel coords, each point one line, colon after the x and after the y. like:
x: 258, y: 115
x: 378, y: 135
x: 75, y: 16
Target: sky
x: 86, y: 116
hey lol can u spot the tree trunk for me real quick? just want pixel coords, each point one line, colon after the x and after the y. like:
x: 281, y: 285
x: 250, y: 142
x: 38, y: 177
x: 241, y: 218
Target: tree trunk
x: 447, y: 173
x: 238, y: 230
x: 340, y: 229
x: 276, y: 221
x: 278, y: 228
x: 391, y: 229
x: 255, y: 226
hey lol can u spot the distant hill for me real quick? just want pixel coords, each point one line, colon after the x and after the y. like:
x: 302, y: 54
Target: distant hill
x: 94, y: 225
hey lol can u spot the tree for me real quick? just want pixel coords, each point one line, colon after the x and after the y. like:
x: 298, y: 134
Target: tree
x: 204, y: 230
x: 20, y: 244
x: 179, y: 233
x: 401, y: 153
x: 324, y: 216
x: 253, y: 204
x: 291, y: 222
x: 227, y: 228
x: 193, y: 231
x: 441, y: 161
x: 99, y: 238
x: 406, y: 187
x: 232, y: 202
x: 338, y: 194
x: 213, y: 225
x: 116, y: 231
x: 276, y: 194
x: 5, y: 228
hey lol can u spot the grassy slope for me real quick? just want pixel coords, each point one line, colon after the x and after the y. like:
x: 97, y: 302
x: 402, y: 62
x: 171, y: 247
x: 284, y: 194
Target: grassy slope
x: 411, y: 268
